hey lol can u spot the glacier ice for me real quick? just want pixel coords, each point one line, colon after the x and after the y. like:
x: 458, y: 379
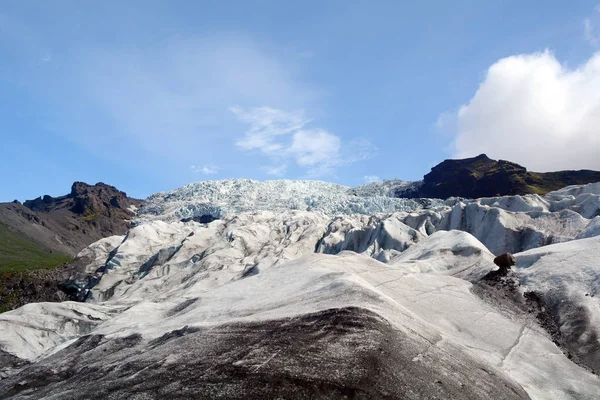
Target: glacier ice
x: 221, y: 198
x: 298, y: 274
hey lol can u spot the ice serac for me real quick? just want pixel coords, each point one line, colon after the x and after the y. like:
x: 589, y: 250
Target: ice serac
x: 452, y: 253
x: 34, y: 329
x: 591, y: 230
x: 585, y: 199
x: 505, y: 231
x: 288, y: 279
x: 567, y: 277
x: 381, y: 237
x: 157, y: 256
x: 233, y: 196
x: 503, y: 224
x: 391, y: 188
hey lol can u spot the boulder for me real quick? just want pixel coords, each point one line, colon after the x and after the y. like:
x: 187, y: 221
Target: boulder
x: 505, y: 261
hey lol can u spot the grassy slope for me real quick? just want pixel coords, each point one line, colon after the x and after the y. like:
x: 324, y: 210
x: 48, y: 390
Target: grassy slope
x: 524, y: 182
x: 19, y: 252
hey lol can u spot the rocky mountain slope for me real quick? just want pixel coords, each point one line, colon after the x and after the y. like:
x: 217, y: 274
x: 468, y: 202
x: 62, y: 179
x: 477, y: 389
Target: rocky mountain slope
x: 41, y: 234
x: 66, y: 224
x: 483, y: 177
x: 244, y: 289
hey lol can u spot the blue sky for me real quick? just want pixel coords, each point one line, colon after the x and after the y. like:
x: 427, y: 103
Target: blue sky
x: 151, y: 95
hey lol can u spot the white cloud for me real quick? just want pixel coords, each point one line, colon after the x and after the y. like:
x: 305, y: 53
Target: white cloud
x: 172, y: 99
x: 532, y: 110
x: 313, y: 147
x: 275, y: 170
x: 283, y: 137
x: 206, y: 169
x: 446, y: 122
x: 589, y: 28
x: 372, y: 178
x: 265, y: 125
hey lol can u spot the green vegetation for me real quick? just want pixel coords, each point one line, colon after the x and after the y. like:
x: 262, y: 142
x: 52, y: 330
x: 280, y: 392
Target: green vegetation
x: 19, y: 252
x: 89, y: 214
x: 6, y: 301
x: 90, y: 217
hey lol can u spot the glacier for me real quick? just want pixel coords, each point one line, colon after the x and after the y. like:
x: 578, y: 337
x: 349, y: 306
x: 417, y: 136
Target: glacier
x: 297, y: 289
x: 233, y: 196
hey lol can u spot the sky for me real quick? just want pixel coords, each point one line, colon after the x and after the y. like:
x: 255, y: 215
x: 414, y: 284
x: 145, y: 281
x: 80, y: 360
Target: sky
x: 150, y: 95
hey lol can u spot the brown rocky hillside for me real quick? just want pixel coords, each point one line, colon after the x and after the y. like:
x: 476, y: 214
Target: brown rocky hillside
x: 483, y: 177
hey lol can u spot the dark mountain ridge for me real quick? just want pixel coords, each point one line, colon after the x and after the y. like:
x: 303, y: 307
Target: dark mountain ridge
x: 483, y: 177
x: 67, y: 224
x: 49, y: 231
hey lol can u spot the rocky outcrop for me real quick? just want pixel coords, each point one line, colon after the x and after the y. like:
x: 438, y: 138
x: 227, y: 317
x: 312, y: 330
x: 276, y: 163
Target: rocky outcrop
x: 23, y: 287
x: 97, y: 211
x: 505, y: 261
x: 69, y: 223
x: 483, y: 177
x: 69, y: 281
x: 39, y: 238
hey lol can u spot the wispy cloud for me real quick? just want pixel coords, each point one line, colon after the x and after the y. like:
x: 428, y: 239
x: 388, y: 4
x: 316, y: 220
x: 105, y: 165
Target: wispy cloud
x: 283, y: 137
x: 446, y: 122
x: 206, y: 169
x: 589, y: 28
x: 275, y: 170
x: 266, y: 124
x: 371, y: 178
x: 172, y: 99
x: 314, y: 147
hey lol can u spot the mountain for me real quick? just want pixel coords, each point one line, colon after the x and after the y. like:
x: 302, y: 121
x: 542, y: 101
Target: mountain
x: 39, y: 238
x: 304, y: 289
x: 50, y: 230
x: 483, y: 177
